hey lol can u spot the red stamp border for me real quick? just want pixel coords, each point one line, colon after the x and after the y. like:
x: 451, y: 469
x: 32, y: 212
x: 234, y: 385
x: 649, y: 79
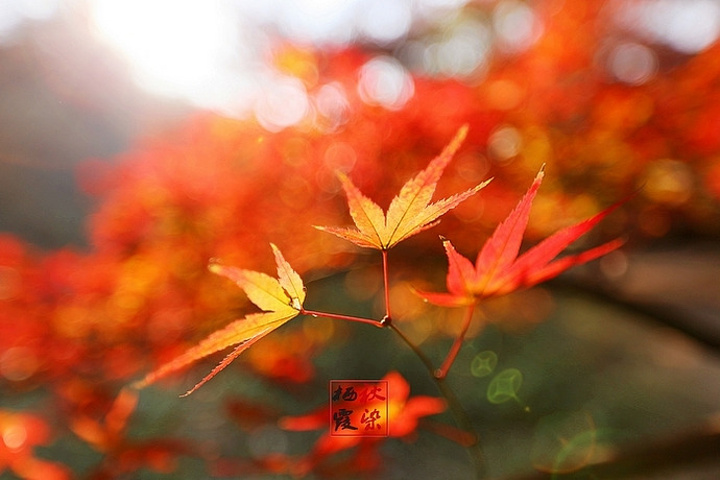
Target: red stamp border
x: 378, y: 403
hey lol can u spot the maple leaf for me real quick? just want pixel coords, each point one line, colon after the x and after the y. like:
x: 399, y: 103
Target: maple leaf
x: 280, y: 299
x: 410, y: 212
x: 498, y: 270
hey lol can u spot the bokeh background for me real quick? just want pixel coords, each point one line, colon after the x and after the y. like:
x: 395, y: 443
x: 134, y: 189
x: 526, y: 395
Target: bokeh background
x: 139, y: 139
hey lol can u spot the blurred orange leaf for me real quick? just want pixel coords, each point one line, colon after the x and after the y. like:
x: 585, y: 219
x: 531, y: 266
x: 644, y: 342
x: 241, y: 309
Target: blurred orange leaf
x: 20, y: 433
x: 410, y: 212
x: 107, y: 435
x: 281, y: 299
x: 404, y: 413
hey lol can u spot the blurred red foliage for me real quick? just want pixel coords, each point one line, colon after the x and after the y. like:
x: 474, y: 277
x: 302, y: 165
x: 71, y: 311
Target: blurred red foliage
x: 78, y: 326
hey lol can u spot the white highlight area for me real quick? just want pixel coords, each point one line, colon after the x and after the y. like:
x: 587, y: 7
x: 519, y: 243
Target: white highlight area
x: 632, y: 63
x: 384, y: 81
x: 13, y: 13
x: 688, y: 26
x: 175, y: 47
x: 282, y: 103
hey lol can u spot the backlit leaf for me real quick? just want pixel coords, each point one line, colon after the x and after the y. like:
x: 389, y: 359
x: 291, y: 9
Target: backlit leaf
x: 410, y: 212
x: 289, y: 280
x: 260, y: 288
x: 281, y: 299
x: 498, y: 270
x: 501, y: 250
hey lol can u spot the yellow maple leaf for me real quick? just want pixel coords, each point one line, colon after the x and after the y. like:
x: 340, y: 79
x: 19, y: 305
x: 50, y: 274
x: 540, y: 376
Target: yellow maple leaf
x: 280, y: 299
x: 410, y: 212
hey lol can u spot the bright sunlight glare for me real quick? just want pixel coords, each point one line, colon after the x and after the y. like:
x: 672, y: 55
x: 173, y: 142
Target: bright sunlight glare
x: 176, y: 47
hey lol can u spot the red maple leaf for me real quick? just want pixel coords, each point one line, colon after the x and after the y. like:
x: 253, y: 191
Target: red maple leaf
x: 499, y: 270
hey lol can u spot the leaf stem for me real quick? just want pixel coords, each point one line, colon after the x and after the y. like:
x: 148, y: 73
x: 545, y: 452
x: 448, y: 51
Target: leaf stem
x: 386, y: 285
x: 340, y: 316
x: 457, y: 344
x: 416, y: 350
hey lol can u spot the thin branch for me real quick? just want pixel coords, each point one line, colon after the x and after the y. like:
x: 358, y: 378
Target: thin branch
x: 461, y: 417
x: 474, y: 448
x: 340, y: 316
x: 416, y: 350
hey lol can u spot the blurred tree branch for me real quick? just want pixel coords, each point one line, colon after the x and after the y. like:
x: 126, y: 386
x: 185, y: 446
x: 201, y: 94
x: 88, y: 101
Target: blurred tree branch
x: 653, y: 459
x: 666, y: 314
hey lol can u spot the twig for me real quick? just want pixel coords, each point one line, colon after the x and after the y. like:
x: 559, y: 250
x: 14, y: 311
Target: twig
x: 339, y: 316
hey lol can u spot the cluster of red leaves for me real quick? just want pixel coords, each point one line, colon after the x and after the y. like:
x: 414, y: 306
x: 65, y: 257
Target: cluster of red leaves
x: 142, y: 295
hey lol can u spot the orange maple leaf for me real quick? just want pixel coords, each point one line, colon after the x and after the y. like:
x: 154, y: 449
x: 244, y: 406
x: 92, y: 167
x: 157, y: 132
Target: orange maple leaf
x: 280, y: 299
x: 498, y: 270
x: 410, y: 212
